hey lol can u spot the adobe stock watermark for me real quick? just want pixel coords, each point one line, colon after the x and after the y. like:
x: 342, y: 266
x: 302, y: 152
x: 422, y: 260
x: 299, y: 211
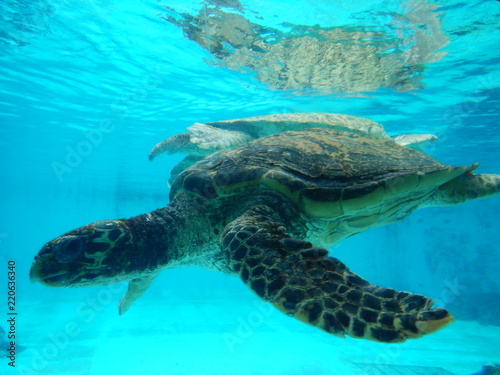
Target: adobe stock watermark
x: 452, y: 290
x: 456, y: 114
x: 56, y: 343
x: 120, y: 110
x: 76, y: 154
x: 247, y: 325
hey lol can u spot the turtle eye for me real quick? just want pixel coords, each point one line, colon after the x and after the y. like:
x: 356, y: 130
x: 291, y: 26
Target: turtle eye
x: 68, y: 249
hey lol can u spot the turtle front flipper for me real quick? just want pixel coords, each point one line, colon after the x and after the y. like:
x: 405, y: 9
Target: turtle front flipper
x: 179, y: 143
x: 201, y: 140
x: 302, y: 281
x: 136, y: 288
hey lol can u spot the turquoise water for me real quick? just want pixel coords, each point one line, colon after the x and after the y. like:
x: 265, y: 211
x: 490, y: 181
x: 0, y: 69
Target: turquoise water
x: 88, y: 88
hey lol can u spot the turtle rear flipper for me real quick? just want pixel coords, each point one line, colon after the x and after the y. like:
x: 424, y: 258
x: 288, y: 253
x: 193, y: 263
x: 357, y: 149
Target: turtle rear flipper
x: 302, y: 281
x: 415, y: 141
x: 465, y: 187
x: 211, y: 138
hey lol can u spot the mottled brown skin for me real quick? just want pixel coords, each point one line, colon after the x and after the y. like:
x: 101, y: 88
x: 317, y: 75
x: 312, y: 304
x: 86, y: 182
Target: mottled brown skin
x: 265, y: 211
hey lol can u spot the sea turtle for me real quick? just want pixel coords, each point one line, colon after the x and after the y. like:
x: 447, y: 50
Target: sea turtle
x: 203, y: 139
x: 489, y: 369
x: 266, y: 211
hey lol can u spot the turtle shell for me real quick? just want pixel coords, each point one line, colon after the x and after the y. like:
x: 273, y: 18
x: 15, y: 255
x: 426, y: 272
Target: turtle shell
x: 260, y: 126
x: 327, y: 173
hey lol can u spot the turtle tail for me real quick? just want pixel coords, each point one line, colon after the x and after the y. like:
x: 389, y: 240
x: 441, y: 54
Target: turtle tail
x: 302, y: 281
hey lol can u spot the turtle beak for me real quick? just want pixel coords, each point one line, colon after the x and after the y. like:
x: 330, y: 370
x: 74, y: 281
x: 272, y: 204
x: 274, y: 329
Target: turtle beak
x: 35, y: 273
x: 43, y: 270
x: 36, y: 270
x: 55, y: 280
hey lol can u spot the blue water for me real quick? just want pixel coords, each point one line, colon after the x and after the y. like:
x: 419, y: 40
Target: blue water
x: 88, y: 88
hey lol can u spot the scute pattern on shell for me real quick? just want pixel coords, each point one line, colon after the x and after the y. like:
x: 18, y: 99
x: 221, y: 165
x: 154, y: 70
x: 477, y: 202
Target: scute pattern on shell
x: 320, y: 163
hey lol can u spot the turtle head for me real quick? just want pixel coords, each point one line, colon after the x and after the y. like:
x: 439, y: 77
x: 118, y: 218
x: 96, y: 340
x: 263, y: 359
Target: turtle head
x: 95, y: 254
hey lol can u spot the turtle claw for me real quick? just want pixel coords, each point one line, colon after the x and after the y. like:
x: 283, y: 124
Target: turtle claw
x: 433, y: 320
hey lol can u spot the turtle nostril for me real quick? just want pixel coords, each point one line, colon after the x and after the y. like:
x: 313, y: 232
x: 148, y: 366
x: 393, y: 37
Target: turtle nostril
x: 68, y: 249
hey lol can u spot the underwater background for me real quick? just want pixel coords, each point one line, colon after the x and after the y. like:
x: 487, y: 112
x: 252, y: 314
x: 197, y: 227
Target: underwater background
x: 87, y: 88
